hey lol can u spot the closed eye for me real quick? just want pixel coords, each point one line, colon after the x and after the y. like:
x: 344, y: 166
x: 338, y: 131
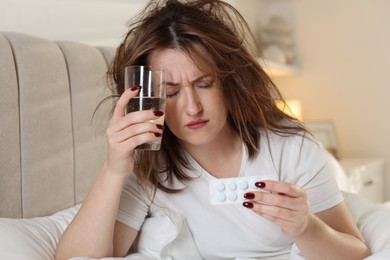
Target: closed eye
x: 202, y: 85
x: 204, y: 82
x: 172, y: 90
x: 174, y: 94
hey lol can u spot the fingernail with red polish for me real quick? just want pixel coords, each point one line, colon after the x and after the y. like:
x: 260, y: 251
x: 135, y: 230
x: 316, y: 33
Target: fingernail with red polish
x: 260, y: 184
x: 157, y: 134
x: 247, y: 204
x: 161, y: 127
x: 135, y: 88
x: 249, y: 195
x: 158, y: 113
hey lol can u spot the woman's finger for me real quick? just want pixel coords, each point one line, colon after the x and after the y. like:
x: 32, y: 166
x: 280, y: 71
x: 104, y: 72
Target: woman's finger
x: 123, y: 100
x: 137, y: 129
x: 134, y: 118
x: 283, y: 188
x: 276, y: 199
x: 274, y: 211
x: 291, y: 221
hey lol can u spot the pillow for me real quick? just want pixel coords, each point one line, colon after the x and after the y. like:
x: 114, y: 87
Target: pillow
x: 129, y: 257
x: 384, y: 254
x: 164, y: 235
x: 373, y: 220
x: 375, y: 226
x: 33, y: 238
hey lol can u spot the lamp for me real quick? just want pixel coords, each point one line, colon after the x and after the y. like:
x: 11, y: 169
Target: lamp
x: 292, y: 107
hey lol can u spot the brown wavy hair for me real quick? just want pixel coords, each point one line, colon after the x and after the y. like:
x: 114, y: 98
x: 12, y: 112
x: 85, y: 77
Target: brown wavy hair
x: 249, y: 94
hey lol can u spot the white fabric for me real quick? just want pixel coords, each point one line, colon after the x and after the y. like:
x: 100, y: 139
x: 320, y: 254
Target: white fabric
x: 168, y: 232
x: 381, y: 255
x: 229, y: 231
x: 340, y: 175
x: 34, y: 238
x: 373, y: 220
x: 166, y: 235
x: 129, y: 257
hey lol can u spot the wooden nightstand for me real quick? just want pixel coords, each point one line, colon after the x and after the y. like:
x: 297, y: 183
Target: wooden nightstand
x: 366, y: 176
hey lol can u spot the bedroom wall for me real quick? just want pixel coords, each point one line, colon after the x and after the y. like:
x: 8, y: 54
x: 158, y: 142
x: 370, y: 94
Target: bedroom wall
x: 96, y: 22
x: 342, y: 48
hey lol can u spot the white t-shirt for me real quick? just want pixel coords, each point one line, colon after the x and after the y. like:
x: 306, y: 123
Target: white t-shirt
x: 231, y: 231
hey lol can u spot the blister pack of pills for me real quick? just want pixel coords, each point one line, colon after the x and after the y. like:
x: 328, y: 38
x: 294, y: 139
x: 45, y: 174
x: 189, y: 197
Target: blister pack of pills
x: 232, y: 190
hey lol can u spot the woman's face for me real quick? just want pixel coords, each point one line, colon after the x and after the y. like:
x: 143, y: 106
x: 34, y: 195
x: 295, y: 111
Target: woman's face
x: 195, y: 111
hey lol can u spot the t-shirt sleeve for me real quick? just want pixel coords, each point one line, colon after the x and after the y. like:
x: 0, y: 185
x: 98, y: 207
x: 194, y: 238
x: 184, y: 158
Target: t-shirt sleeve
x: 134, y: 205
x: 312, y: 169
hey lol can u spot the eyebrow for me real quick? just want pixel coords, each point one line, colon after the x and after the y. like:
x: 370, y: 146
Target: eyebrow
x: 194, y: 81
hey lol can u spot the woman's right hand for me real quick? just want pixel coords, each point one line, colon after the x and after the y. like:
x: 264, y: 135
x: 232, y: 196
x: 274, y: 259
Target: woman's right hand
x: 127, y: 131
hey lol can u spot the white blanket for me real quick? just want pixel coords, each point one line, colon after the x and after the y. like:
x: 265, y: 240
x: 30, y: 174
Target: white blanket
x: 36, y: 238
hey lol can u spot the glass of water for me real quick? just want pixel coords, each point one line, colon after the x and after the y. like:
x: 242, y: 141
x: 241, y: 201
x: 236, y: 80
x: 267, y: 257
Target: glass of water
x: 151, y: 96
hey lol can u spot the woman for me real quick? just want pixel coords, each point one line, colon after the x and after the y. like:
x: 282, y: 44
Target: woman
x: 221, y: 121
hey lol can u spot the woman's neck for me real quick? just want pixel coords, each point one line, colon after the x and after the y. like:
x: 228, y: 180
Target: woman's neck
x: 221, y: 158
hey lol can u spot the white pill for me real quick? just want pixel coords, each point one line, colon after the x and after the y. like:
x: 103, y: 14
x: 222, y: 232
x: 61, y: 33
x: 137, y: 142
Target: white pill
x: 220, y: 187
x: 230, y: 190
x: 221, y: 197
x: 232, y: 186
x: 232, y: 196
x: 243, y: 185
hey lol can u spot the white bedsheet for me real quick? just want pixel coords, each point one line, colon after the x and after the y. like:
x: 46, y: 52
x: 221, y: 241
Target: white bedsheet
x: 36, y: 238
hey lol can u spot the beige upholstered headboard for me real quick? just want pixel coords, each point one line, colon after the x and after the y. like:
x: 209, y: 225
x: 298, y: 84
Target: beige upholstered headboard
x: 51, y: 148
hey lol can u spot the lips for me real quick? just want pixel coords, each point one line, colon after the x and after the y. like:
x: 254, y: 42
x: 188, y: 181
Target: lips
x: 197, y: 124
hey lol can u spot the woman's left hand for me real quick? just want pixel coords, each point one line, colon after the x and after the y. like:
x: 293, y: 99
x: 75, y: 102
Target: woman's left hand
x: 284, y: 204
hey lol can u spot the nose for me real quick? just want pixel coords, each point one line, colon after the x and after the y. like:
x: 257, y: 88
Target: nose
x: 193, y: 105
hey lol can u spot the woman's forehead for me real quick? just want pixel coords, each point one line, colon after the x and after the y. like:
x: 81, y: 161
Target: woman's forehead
x: 179, y: 62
